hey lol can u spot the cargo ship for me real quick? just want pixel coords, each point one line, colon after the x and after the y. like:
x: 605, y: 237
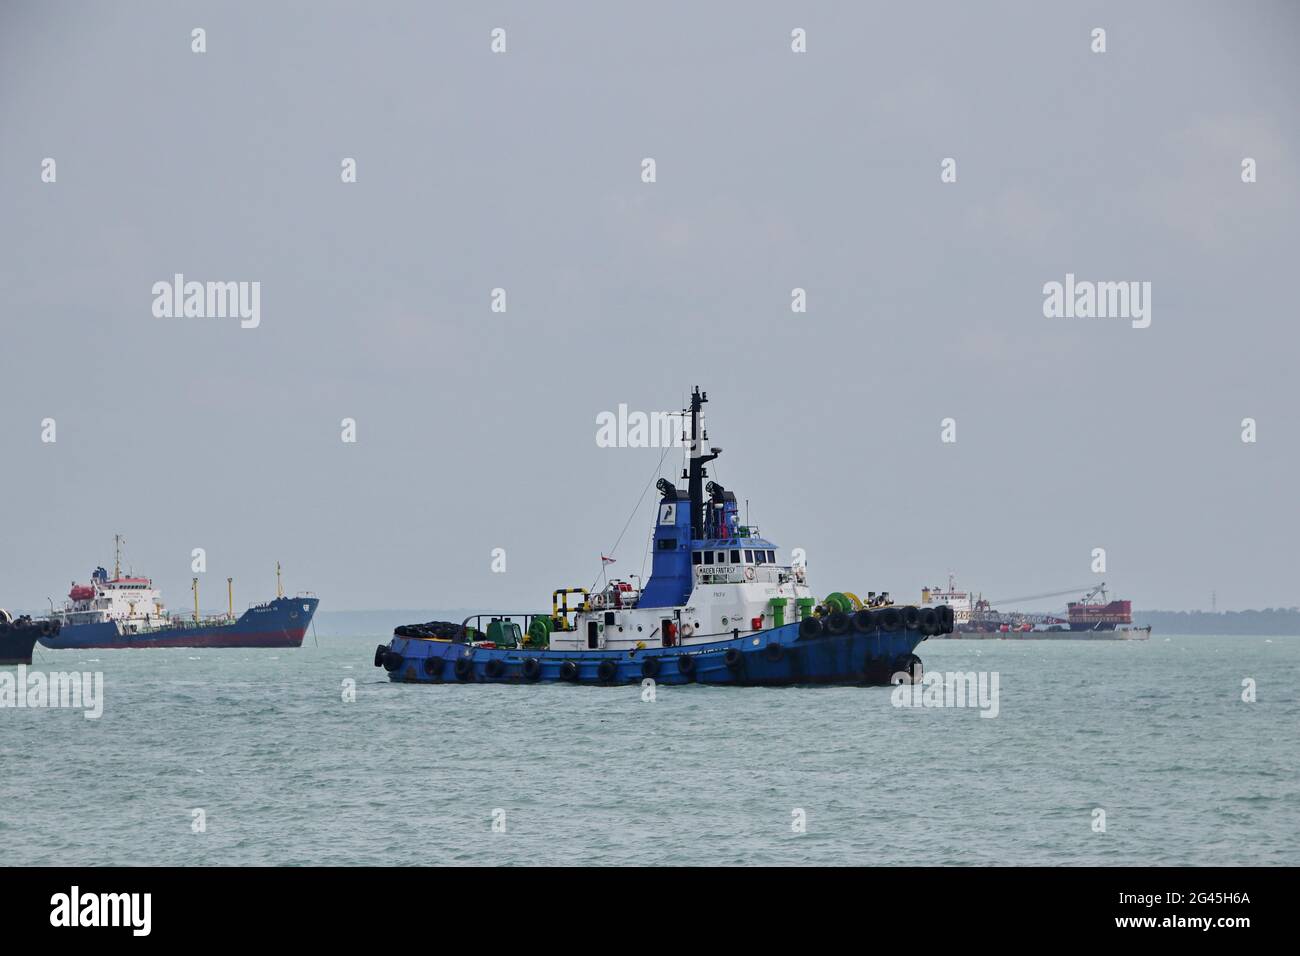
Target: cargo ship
x: 1087, y: 618
x: 18, y: 635
x: 126, y: 611
x: 719, y: 607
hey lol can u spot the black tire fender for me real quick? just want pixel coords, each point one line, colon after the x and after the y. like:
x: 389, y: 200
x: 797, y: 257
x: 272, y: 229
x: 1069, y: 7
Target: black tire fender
x: 809, y: 628
x: 864, y: 621
x: 464, y: 668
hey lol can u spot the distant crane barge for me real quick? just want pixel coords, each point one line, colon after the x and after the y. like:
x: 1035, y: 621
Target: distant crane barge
x: 1092, y: 616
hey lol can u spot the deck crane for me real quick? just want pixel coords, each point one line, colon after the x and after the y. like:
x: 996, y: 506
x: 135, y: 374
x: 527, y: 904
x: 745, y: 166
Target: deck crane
x: 1052, y: 594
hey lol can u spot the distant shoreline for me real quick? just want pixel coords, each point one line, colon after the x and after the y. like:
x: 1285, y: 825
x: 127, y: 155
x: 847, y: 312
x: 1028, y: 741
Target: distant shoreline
x: 1269, y: 621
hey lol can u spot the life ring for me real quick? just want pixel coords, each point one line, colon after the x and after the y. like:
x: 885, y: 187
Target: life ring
x: 650, y: 668
x: 569, y: 670
x: 597, y: 600
x: 749, y: 574
x: 732, y: 658
x: 532, y: 669
x: 494, y: 667
x: 687, y: 629
x: 605, y: 671
x: 686, y: 665
x: 464, y: 668
x: 433, y: 666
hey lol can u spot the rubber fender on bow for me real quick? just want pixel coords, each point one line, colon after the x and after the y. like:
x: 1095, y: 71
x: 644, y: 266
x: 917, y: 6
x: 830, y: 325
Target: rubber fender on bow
x: 810, y: 627
x: 864, y: 621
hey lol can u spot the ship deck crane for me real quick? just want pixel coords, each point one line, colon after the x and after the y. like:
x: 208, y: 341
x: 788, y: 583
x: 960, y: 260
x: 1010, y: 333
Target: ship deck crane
x: 1051, y: 594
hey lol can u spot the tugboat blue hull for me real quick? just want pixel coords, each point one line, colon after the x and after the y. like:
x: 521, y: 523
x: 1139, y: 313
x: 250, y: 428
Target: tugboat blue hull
x: 775, y: 657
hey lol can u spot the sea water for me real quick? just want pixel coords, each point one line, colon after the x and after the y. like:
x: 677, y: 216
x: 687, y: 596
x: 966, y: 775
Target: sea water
x: 1128, y: 753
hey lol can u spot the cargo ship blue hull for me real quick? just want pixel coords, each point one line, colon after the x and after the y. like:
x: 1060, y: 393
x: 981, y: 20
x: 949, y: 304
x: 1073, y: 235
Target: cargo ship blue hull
x: 279, y: 623
x: 776, y: 657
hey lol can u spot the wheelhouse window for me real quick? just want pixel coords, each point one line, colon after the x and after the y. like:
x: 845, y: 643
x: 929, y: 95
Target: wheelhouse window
x: 708, y: 557
x: 735, y: 557
x: 722, y: 557
x: 771, y: 557
x: 697, y: 557
x: 760, y: 557
x: 749, y: 555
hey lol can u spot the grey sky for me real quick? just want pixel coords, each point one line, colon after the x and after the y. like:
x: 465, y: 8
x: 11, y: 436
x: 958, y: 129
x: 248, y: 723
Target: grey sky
x: 775, y: 170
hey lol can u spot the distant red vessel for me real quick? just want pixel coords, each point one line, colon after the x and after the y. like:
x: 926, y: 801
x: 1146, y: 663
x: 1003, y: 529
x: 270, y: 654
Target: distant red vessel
x: 1090, y: 615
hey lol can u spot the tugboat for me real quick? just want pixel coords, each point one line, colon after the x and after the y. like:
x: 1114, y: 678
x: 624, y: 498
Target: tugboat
x: 718, y: 608
x: 127, y: 612
x: 18, y: 635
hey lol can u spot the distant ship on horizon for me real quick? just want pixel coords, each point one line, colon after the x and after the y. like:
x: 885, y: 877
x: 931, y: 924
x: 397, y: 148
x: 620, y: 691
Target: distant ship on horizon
x: 128, y: 612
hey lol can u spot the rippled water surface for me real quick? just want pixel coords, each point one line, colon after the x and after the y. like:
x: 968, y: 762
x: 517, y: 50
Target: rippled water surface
x: 1155, y: 734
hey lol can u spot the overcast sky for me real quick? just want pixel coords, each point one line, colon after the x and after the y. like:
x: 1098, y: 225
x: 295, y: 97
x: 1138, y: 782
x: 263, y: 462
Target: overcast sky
x: 775, y: 170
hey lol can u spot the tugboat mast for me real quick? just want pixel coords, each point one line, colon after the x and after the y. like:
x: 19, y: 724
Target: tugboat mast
x: 697, y: 474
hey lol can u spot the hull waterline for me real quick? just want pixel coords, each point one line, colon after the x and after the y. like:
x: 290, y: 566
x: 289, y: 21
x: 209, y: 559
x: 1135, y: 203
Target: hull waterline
x: 776, y: 657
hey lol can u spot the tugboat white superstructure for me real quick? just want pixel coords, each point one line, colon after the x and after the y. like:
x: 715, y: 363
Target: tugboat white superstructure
x: 719, y: 607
